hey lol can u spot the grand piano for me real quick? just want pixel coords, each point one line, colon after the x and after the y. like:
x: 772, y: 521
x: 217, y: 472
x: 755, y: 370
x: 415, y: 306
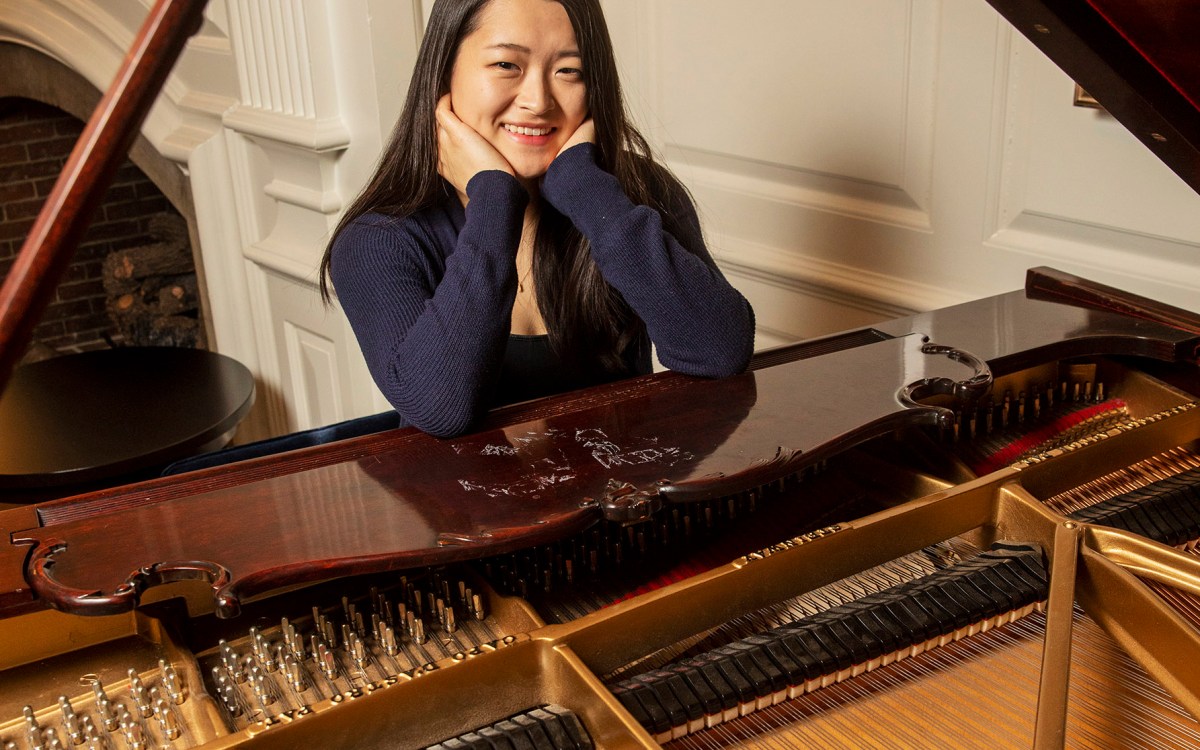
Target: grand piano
x: 974, y: 527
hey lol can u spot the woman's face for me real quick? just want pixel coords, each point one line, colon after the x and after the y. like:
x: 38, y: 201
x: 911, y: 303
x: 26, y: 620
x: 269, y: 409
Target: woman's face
x: 518, y: 82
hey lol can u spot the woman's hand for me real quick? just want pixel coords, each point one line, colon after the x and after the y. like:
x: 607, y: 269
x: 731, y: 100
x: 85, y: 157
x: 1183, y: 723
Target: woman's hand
x: 585, y: 133
x: 462, y: 152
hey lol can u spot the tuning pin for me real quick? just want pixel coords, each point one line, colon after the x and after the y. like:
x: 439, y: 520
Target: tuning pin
x: 260, y: 646
x: 327, y: 661
x: 268, y: 654
x: 388, y: 640
x: 295, y: 675
x: 50, y: 739
x: 166, y: 717
x: 104, y: 707
x: 358, y: 650
x: 232, y: 662
x: 168, y: 722
x: 258, y: 683
x: 171, y: 682
x: 227, y: 691
x: 385, y: 608
x: 132, y: 729
x: 70, y: 721
x: 90, y: 733
x: 141, y: 698
x: 229, y: 695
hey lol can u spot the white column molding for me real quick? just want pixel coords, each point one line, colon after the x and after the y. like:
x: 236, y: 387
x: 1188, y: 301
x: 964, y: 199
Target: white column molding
x: 289, y: 117
x: 214, y: 192
x: 304, y: 136
x: 284, y: 62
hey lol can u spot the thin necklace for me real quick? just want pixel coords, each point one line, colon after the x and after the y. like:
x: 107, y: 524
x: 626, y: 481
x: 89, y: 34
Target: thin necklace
x: 528, y: 229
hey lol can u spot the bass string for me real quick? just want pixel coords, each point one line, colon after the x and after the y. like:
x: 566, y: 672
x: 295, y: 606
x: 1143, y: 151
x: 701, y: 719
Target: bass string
x: 981, y: 691
x: 1129, y: 478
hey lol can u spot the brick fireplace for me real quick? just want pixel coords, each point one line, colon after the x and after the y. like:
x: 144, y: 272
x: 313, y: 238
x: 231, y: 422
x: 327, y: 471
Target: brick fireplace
x: 36, y: 139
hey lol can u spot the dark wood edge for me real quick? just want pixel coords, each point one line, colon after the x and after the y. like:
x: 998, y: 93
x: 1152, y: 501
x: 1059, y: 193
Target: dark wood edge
x: 1052, y: 285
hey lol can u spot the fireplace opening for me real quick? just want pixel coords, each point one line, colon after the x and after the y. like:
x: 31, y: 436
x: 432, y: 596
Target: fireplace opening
x: 132, y: 280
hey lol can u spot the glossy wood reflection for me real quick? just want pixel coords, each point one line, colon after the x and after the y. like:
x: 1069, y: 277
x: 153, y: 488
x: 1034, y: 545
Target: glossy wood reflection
x: 429, y: 501
x: 544, y: 470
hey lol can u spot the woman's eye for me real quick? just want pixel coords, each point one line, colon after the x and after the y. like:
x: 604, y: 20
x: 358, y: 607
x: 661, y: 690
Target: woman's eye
x: 574, y: 73
x: 504, y: 65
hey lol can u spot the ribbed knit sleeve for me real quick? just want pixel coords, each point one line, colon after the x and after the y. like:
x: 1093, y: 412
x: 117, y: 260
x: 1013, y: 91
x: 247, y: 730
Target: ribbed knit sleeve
x: 432, y: 325
x: 699, y: 324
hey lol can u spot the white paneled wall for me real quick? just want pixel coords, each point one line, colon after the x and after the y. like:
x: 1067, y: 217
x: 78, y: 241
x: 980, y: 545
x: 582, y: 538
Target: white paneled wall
x: 860, y: 158
x: 852, y: 160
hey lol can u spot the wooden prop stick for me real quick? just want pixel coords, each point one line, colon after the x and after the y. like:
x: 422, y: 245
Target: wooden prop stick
x: 101, y: 148
x: 1055, y: 286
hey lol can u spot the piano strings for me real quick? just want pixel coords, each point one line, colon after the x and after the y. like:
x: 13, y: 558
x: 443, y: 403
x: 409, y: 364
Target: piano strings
x: 978, y: 692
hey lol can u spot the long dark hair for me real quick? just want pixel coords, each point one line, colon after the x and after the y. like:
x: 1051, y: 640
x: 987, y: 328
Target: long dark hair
x: 589, y: 323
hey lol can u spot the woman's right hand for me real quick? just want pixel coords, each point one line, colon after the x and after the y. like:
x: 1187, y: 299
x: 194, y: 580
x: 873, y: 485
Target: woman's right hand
x: 462, y: 152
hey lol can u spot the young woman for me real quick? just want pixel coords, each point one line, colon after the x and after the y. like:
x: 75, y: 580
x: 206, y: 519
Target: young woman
x: 517, y: 238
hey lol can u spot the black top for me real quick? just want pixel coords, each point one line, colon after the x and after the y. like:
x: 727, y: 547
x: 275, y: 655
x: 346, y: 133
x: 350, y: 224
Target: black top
x: 531, y: 369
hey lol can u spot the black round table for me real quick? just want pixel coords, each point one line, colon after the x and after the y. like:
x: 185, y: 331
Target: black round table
x: 104, y: 414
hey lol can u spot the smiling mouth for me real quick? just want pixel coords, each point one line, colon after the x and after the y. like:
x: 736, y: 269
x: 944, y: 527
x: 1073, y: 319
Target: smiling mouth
x: 518, y: 130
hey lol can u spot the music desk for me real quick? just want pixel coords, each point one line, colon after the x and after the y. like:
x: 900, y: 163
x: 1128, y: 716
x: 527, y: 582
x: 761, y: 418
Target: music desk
x: 81, y: 420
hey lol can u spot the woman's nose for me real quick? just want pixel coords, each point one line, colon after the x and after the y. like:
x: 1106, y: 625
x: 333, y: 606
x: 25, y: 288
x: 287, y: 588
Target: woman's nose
x: 536, y: 96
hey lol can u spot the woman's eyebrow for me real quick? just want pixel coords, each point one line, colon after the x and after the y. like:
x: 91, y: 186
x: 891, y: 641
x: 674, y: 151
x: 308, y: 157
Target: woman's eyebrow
x: 514, y: 47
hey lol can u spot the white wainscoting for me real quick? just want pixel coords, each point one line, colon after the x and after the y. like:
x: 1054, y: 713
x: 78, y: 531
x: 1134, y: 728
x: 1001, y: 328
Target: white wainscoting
x: 859, y: 159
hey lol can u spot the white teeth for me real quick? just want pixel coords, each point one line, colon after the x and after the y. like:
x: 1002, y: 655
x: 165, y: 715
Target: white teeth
x: 527, y: 131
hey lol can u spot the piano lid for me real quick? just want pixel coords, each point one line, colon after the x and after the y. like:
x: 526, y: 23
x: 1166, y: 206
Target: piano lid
x: 1138, y: 58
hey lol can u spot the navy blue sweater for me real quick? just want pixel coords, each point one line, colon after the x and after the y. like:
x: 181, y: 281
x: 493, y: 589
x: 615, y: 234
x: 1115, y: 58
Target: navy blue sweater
x: 430, y: 296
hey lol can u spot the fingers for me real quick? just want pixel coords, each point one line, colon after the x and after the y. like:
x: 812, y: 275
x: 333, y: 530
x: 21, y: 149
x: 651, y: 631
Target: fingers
x: 462, y: 152
x: 444, y: 112
x: 585, y: 133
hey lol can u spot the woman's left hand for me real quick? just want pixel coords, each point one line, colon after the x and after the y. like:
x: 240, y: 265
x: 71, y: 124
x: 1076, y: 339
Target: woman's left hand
x: 463, y: 152
x: 585, y: 133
